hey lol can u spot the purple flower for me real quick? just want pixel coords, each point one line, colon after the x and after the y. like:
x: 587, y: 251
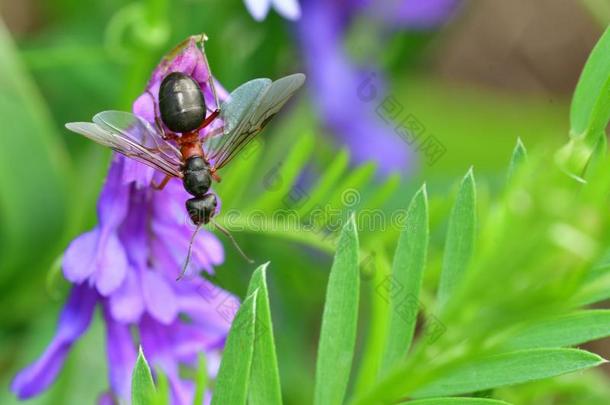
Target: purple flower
x: 420, y: 14
x: 346, y: 97
x: 259, y: 9
x: 127, y: 265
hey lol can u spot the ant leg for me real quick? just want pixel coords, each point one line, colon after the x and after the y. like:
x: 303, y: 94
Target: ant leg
x: 158, y: 123
x: 170, y: 136
x: 208, y: 120
x: 207, y: 65
x: 163, y: 183
x: 215, y: 175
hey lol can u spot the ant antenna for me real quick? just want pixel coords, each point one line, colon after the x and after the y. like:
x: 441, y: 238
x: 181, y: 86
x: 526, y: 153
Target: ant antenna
x: 228, y: 235
x: 222, y: 229
x: 188, y: 255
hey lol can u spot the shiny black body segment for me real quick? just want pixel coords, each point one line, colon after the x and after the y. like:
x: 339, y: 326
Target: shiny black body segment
x: 181, y: 103
x: 197, y: 181
x: 201, y: 209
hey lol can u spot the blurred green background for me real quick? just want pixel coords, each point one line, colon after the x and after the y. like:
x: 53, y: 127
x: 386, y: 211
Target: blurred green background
x: 493, y: 72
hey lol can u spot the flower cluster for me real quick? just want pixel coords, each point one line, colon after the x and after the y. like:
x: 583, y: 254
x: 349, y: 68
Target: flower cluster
x: 259, y: 9
x: 334, y: 78
x: 128, y: 264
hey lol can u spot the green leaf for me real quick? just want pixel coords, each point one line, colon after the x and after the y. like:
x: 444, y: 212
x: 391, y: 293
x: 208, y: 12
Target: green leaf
x: 598, y: 156
x: 596, y: 289
x: 407, y: 271
x: 285, y: 173
x: 201, y: 380
x: 234, y: 374
x: 265, y: 388
x: 162, y: 396
x: 508, y: 369
x: 327, y: 181
x: 375, y: 268
x: 355, y: 180
x: 590, y: 108
x: 233, y: 186
x: 339, y: 321
x: 517, y: 159
x: 142, y: 385
x: 567, y: 330
x: 456, y: 401
x: 459, y: 244
x: 385, y: 191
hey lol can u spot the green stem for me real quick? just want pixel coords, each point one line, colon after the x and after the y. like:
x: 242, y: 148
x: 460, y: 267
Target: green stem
x: 311, y: 239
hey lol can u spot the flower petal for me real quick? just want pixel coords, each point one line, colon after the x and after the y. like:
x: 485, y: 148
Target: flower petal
x: 168, y: 206
x: 337, y: 85
x: 121, y: 356
x: 73, y: 322
x: 126, y: 303
x: 258, y: 8
x: 79, y: 259
x: 188, y: 60
x: 106, y: 398
x: 190, y: 339
x: 206, y: 253
x: 289, y: 9
x: 144, y: 106
x: 420, y: 14
x: 137, y: 173
x: 159, y: 297
x: 112, y: 266
x: 211, y: 307
x: 157, y: 346
x: 113, y: 202
x: 182, y: 391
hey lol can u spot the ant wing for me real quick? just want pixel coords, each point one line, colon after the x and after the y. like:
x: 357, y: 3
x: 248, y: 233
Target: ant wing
x: 249, y: 108
x: 139, y: 131
x: 133, y: 137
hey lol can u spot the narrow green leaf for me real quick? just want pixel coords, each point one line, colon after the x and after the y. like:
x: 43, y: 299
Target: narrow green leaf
x: 508, y: 369
x: 595, y: 290
x: 375, y: 268
x: 142, y: 385
x: 162, y: 396
x: 407, y: 271
x: 201, y: 380
x: 282, y: 178
x: 567, y: 330
x: 598, y: 156
x: 339, y: 321
x: 384, y: 192
x: 456, y: 401
x: 327, y: 181
x: 55, y: 279
x: 517, y: 159
x: 590, y: 108
x: 265, y: 388
x: 234, y: 374
x: 460, y: 239
x: 355, y: 180
x: 235, y: 182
